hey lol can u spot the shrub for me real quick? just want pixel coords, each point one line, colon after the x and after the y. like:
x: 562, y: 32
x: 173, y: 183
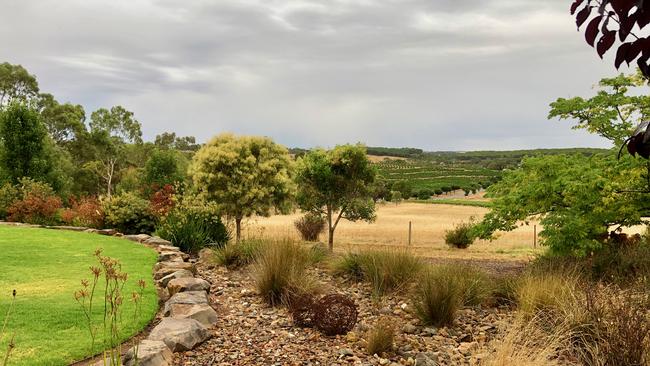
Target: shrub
x: 86, y: 212
x: 384, y: 270
x: 310, y: 226
x: 617, y: 327
x: 437, y: 298
x: 8, y: 195
x: 235, y: 255
x: 162, y: 200
x: 424, y: 194
x: 461, y: 236
x: 280, y: 269
x: 37, y: 204
x: 129, y: 214
x: 620, y: 265
x: 380, y: 338
x: 192, y: 225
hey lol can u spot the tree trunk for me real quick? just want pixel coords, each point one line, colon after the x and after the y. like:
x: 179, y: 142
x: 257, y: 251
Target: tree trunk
x: 238, y: 229
x: 330, y: 230
x: 330, y: 240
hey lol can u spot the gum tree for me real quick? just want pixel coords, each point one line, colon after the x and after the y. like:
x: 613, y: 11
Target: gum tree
x: 337, y: 184
x: 244, y: 176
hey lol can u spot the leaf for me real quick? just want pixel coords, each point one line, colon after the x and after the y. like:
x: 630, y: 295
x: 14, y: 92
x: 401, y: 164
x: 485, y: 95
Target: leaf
x: 621, y: 54
x: 605, y: 43
x: 634, y: 50
x: 583, y: 15
x: 575, y: 5
x: 626, y: 23
x: 592, y: 30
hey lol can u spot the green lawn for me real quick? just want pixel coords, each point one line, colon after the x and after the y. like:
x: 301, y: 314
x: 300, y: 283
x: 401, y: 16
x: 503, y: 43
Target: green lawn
x: 45, y: 267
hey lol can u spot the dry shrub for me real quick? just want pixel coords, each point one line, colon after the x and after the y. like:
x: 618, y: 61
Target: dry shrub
x: 281, y: 268
x: 527, y: 343
x: 335, y: 314
x: 310, y: 226
x: 386, y: 271
x: 380, y: 338
x: 615, y: 328
x: 437, y: 298
x: 162, y: 200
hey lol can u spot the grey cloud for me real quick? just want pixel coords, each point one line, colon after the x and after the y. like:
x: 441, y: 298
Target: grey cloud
x: 434, y: 74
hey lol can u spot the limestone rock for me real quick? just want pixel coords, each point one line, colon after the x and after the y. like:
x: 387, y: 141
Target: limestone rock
x: 171, y: 267
x: 203, y: 313
x: 137, y: 238
x: 426, y: 359
x: 170, y: 256
x: 154, y: 240
x: 182, y: 273
x: 180, y: 334
x: 186, y: 298
x: 150, y: 353
x: 184, y: 284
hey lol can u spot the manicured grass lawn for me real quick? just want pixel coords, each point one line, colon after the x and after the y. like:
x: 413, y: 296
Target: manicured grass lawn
x: 45, y: 267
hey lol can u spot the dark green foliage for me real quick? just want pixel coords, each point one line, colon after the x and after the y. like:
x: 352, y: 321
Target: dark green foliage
x: 8, y: 195
x: 129, y: 214
x: 461, y: 236
x: 193, y: 225
x: 164, y: 167
x: 23, y: 140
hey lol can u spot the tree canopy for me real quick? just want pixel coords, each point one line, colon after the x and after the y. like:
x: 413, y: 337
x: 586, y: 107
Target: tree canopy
x: 337, y: 184
x: 580, y: 199
x: 244, y: 176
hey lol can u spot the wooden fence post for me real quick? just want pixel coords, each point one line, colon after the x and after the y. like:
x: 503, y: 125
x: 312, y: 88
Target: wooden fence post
x: 409, y: 233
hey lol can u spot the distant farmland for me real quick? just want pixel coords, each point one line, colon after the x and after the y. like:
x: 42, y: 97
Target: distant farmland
x: 426, y: 174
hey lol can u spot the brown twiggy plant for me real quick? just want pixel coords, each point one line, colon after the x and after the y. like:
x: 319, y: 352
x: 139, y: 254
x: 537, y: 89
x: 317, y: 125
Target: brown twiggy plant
x: 109, y: 274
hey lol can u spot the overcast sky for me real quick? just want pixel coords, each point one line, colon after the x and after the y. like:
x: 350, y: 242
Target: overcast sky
x: 434, y: 74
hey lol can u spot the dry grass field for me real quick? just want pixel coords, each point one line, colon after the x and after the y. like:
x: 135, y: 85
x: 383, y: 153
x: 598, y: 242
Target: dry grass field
x: 390, y: 230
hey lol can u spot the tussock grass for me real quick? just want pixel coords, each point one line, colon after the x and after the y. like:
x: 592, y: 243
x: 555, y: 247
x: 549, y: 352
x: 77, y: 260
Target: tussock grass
x: 281, y: 269
x: 386, y: 271
x: 235, y: 255
x: 546, y: 292
x: 380, y: 338
x: 528, y: 344
x: 474, y: 285
x: 437, y: 298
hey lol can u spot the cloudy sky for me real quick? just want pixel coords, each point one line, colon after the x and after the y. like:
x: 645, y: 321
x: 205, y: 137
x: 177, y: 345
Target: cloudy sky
x: 435, y: 74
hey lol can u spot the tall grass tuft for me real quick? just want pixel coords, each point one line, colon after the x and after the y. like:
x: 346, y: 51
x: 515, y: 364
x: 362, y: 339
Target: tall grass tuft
x: 474, y: 286
x: 386, y: 271
x: 380, y: 338
x: 437, y: 298
x: 527, y: 343
x: 546, y: 292
x: 235, y: 255
x: 281, y: 269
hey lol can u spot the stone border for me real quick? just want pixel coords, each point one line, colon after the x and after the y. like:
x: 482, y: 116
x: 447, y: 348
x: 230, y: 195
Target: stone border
x: 187, y: 312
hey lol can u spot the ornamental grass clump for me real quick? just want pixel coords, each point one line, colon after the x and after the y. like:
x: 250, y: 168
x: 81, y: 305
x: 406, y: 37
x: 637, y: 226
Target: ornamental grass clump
x: 386, y: 271
x: 380, y: 338
x: 437, y: 298
x: 280, y: 269
x: 234, y: 255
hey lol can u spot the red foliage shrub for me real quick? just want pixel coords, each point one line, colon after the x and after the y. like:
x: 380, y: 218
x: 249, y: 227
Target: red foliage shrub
x: 35, y: 208
x: 86, y: 212
x: 162, y: 201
